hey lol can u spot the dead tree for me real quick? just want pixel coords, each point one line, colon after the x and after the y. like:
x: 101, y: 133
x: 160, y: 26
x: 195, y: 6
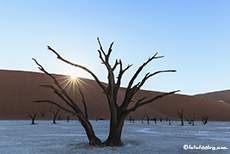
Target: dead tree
x: 205, y: 119
x: 32, y: 116
x: 55, y: 113
x: 154, y: 119
x: 169, y: 120
x: 131, y: 119
x: 147, y: 118
x: 142, y: 119
x: 181, y: 116
x: 161, y: 119
x: 43, y: 113
x: 59, y: 117
x: 118, y: 111
x: 166, y: 119
x: 191, y: 121
x: 68, y: 118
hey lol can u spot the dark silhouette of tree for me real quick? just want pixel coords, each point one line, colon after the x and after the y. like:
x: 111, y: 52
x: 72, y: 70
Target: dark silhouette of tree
x: 118, y: 112
x: 181, y: 116
x: 43, y: 113
x: 191, y: 121
x: 99, y: 118
x: 147, y: 118
x: 59, y: 117
x: 55, y: 113
x: 142, y: 119
x: 166, y: 119
x: 68, y: 118
x: 154, y: 119
x: 161, y: 119
x: 32, y: 116
x: 131, y: 119
x: 169, y: 120
x: 205, y: 119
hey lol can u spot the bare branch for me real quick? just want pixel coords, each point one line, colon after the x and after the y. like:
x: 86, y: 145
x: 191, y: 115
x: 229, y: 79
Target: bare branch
x: 100, y: 56
x: 139, y: 104
x: 130, y: 91
x: 56, y: 104
x: 79, y: 66
x: 121, y: 72
x: 115, y: 65
x: 58, y: 93
x: 32, y: 116
x: 83, y: 102
x: 141, y: 100
x: 99, y: 42
x: 148, y: 75
x: 140, y: 69
x: 109, y: 52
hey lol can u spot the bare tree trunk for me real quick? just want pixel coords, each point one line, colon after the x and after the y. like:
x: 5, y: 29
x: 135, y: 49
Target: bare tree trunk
x: 54, y: 115
x: 68, y: 118
x: 114, y: 138
x: 154, y: 119
x: 32, y: 116
x: 169, y: 121
x: 147, y: 118
x: 33, y: 121
x: 142, y: 119
x: 181, y: 116
x: 205, y: 119
x: 93, y: 140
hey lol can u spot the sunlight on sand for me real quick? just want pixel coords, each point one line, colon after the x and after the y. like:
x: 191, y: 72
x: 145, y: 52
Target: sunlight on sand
x: 71, y: 82
x: 73, y: 76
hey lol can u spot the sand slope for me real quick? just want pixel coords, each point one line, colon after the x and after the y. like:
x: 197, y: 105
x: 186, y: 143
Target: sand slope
x: 221, y: 96
x: 18, y: 90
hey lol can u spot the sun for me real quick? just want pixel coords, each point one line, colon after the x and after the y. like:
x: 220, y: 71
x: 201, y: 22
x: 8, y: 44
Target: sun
x: 73, y: 76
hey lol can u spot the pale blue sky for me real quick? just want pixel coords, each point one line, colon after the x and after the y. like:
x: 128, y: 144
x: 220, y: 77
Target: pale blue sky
x: 194, y: 37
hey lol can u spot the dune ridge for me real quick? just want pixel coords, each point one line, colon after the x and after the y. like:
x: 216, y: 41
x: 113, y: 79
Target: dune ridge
x: 20, y: 88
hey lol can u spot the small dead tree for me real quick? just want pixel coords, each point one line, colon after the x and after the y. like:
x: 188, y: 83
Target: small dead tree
x: 55, y: 113
x: 59, y: 117
x: 32, y: 116
x: 166, y: 119
x: 43, y: 113
x: 131, y: 119
x: 118, y: 111
x: 161, y: 119
x: 142, y: 119
x: 154, y: 119
x: 68, y: 118
x: 181, y: 116
x: 147, y: 118
x: 204, y: 119
x: 191, y: 121
x: 169, y: 120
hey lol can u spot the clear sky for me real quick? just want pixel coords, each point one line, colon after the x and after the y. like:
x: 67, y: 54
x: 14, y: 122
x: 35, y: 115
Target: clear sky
x: 193, y: 35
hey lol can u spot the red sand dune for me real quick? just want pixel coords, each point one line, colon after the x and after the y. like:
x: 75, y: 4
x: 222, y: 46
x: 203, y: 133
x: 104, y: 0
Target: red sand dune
x: 221, y: 96
x: 19, y: 89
